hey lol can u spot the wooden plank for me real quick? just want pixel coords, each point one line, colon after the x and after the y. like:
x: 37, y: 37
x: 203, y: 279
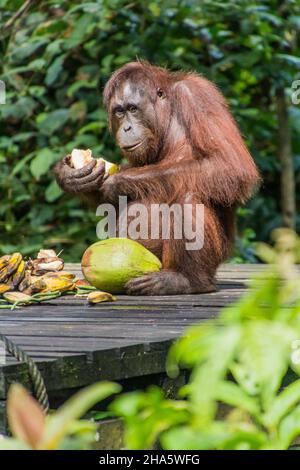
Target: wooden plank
x: 75, y: 344
x: 3, y: 418
x: 109, y: 435
x: 69, y: 372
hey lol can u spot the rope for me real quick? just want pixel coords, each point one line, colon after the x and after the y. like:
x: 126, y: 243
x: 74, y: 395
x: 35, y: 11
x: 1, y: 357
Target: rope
x: 38, y: 383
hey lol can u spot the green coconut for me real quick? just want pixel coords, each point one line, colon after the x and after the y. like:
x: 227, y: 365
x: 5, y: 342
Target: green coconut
x: 110, y: 263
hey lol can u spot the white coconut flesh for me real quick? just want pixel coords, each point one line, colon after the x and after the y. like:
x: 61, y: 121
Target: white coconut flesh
x: 80, y: 158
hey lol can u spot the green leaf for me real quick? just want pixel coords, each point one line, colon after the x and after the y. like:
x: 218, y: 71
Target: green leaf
x: 187, y: 438
x: 233, y: 395
x: 295, y: 21
x: 282, y: 404
x: 54, y: 71
x: 81, y: 29
x: 27, y: 49
x: 218, y: 436
x: 43, y: 161
x: 154, y: 8
x: 53, y: 192
x: 147, y: 414
x: 290, y: 59
x: 265, y: 357
x: 20, y: 165
x: 51, y: 122
x: 22, y: 108
x: 289, y: 428
x: 9, y: 443
x: 60, y: 423
x: 207, y: 376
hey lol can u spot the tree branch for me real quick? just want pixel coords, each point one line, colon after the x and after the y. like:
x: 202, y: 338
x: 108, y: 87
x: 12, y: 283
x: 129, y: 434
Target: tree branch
x: 285, y: 155
x: 23, y: 9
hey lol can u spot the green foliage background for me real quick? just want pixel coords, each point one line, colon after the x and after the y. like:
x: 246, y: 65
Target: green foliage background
x: 55, y: 61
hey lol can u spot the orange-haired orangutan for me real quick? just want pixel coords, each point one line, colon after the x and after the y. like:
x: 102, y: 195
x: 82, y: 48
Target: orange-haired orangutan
x: 182, y: 146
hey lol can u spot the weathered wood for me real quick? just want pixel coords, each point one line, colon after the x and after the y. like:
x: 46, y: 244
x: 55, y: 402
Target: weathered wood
x: 75, y: 344
x: 3, y: 418
x: 110, y: 435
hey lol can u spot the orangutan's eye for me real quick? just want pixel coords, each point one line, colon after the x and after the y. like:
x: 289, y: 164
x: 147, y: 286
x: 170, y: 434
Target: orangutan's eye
x: 119, y: 112
x: 160, y: 93
x: 132, y: 108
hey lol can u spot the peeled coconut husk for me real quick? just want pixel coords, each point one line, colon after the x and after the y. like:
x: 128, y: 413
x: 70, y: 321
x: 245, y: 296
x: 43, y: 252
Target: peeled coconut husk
x: 46, y: 261
x: 80, y: 158
x: 109, y: 264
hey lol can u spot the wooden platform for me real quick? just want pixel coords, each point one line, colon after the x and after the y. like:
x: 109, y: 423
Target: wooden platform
x: 75, y: 344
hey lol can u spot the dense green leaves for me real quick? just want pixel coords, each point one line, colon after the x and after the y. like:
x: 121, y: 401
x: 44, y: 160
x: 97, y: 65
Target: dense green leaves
x: 56, y: 59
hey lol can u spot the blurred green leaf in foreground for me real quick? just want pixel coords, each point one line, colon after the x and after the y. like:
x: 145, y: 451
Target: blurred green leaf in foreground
x: 244, y: 390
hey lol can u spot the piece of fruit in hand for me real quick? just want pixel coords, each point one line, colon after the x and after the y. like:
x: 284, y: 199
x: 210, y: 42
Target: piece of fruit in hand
x: 79, y: 158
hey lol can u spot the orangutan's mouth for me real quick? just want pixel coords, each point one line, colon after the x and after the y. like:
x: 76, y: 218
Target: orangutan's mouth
x: 130, y: 148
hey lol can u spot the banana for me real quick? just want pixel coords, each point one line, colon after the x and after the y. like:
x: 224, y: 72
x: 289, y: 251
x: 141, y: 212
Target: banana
x: 26, y: 281
x: 34, y: 287
x: 61, y: 284
x: 3, y: 265
x: 4, y: 261
x: 50, y: 284
x: 13, y: 263
x: 19, y: 275
x: 13, y: 297
x: 58, y: 274
x: 98, y: 296
x: 4, y: 288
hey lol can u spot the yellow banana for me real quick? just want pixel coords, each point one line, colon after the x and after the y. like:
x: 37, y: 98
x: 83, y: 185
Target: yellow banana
x: 26, y: 281
x: 58, y: 274
x: 13, y: 263
x: 34, y: 287
x: 98, y: 296
x: 61, y: 284
x: 18, y: 276
x: 4, y: 288
x: 4, y: 261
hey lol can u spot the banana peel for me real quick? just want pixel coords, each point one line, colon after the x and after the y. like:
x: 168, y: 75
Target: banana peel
x: 13, y: 264
x: 46, y: 254
x: 97, y: 297
x: 61, y: 284
x: 40, y: 278
x: 64, y: 274
x: 26, y: 281
x: 46, y: 261
x: 19, y: 297
x: 4, y: 288
x: 35, y: 286
x: 4, y: 261
x: 18, y: 276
